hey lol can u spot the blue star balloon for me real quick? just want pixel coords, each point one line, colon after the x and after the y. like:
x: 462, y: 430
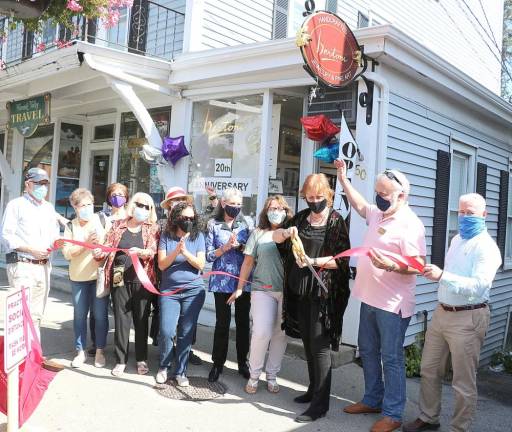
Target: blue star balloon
x: 328, y: 153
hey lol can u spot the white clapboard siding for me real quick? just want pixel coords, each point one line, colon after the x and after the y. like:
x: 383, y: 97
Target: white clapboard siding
x: 234, y: 22
x: 456, y: 37
x: 415, y: 134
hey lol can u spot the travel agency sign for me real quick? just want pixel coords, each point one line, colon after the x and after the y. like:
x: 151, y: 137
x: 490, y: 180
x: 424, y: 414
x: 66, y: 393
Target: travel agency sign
x: 27, y: 114
x: 330, y: 50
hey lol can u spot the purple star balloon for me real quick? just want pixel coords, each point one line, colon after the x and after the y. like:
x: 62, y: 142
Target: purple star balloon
x: 173, y: 149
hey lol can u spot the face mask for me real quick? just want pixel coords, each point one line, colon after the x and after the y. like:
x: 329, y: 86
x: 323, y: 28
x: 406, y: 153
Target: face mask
x: 276, y: 217
x: 185, y: 225
x: 118, y: 201
x: 317, y: 207
x: 470, y: 226
x: 140, y: 214
x: 85, y: 213
x: 232, y: 211
x: 382, y: 204
x: 39, y: 192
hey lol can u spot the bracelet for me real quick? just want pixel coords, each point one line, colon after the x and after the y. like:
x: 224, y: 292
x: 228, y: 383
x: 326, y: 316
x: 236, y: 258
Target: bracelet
x: 315, y: 263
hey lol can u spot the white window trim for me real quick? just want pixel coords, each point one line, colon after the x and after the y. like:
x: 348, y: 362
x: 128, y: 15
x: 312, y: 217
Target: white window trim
x: 507, y: 261
x: 459, y: 146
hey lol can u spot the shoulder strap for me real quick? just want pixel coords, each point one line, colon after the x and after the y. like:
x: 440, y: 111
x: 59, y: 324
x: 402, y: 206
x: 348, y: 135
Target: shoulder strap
x: 70, y: 226
x: 102, y: 219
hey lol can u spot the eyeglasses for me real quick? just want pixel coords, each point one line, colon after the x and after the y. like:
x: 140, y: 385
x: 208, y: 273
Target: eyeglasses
x: 391, y: 176
x: 140, y: 205
x: 118, y: 194
x: 212, y: 197
x: 275, y: 209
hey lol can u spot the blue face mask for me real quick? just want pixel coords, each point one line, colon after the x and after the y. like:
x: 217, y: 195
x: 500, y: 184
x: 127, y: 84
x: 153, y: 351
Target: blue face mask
x: 140, y: 214
x: 85, y: 213
x: 39, y: 192
x: 470, y: 226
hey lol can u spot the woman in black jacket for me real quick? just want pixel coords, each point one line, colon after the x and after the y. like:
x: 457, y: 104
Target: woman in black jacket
x: 309, y: 312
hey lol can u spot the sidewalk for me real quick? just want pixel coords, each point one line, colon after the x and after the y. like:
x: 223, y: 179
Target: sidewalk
x: 91, y: 399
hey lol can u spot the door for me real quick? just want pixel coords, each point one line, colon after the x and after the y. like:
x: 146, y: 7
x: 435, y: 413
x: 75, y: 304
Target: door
x: 101, y: 167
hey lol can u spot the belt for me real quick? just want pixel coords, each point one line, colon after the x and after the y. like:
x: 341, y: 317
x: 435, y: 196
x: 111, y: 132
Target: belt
x: 32, y: 261
x: 463, y: 308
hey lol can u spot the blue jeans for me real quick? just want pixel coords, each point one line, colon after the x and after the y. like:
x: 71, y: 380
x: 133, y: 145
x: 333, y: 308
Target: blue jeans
x: 84, y: 298
x: 381, y: 346
x: 178, y: 317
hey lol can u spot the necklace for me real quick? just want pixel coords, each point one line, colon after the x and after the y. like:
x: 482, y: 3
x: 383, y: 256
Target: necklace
x: 317, y: 222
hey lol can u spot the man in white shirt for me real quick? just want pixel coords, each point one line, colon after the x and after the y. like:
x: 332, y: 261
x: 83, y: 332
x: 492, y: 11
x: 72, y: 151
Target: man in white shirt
x: 461, y: 319
x: 29, y: 228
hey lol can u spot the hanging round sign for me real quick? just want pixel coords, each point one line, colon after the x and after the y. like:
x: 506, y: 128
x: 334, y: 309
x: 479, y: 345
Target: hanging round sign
x: 330, y: 49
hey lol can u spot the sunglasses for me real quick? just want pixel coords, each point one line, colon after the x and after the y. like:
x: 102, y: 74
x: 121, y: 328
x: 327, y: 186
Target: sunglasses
x: 391, y: 176
x: 140, y: 205
x: 187, y: 218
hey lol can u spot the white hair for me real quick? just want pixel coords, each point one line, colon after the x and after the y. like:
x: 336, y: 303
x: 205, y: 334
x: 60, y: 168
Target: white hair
x: 402, y: 185
x: 474, y: 198
x: 229, y: 193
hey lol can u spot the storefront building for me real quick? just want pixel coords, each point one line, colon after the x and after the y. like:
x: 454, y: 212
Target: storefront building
x: 239, y: 109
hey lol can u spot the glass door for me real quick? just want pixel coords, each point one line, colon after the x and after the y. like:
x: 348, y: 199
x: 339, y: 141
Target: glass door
x: 101, y: 167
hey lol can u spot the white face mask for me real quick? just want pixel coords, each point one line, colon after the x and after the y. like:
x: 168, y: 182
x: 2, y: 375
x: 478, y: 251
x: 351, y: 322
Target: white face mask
x: 39, y: 192
x: 85, y: 213
x: 276, y: 217
x: 140, y: 214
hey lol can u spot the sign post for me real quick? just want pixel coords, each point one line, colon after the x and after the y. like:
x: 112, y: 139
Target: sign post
x: 15, y: 352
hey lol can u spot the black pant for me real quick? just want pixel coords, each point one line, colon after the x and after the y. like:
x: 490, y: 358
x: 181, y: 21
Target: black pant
x: 318, y: 353
x: 131, y: 304
x: 223, y: 319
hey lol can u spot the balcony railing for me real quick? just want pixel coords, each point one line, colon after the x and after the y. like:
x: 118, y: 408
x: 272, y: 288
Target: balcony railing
x: 147, y: 28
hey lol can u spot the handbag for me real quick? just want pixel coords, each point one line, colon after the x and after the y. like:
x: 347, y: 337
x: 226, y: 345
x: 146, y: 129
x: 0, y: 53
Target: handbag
x: 101, y: 289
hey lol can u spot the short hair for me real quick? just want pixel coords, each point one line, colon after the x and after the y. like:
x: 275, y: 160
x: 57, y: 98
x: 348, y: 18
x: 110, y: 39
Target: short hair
x: 318, y: 184
x: 78, y: 195
x: 474, y: 198
x: 121, y: 187
x: 402, y: 184
x: 263, y: 222
x: 143, y: 198
x: 229, y: 193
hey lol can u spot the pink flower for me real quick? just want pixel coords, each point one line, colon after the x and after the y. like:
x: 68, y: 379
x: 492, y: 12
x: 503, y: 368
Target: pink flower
x: 62, y: 44
x: 112, y: 18
x: 74, y: 6
x: 119, y: 4
x: 40, y: 47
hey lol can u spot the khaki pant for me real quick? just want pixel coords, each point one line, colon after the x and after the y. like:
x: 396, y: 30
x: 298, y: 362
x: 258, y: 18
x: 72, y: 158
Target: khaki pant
x: 37, y: 278
x: 460, y: 334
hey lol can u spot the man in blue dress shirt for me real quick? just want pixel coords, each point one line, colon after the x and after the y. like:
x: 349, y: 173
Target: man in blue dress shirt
x: 461, y: 319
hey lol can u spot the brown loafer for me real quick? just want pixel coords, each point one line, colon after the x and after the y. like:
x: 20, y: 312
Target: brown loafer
x: 360, y: 408
x: 52, y: 365
x: 385, y: 424
x: 419, y: 425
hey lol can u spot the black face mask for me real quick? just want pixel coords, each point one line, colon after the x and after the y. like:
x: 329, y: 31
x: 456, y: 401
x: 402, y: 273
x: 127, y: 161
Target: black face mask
x: 382, y: 204
x: 185, y: 225
x: 232, y: 211
x: 317, y: 207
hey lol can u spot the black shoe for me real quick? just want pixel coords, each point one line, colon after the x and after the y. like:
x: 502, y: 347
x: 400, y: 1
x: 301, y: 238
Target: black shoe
x: 155, y: 342
x: 308, y: 417
x: 304, y: 398
x: 213, y: 376
x: 195, y: 360
x: 92, y: 351
x: 419, y: 425
x: 244, y: 371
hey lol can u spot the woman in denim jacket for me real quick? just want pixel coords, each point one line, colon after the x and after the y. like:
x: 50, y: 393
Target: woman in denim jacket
x: 227, y: 234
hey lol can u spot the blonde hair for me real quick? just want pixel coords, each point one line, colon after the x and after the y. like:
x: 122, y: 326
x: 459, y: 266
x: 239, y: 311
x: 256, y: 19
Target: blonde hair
x: 78, y: 195
x: 318, y: 184
x: 143, y: 198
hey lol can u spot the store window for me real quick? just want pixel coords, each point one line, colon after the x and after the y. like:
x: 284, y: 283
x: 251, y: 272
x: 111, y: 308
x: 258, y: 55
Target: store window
x: 225, y: 147
x: 134, y: 172
x: 38, y: 150
x: 68, y: 172
x: 104, y: 132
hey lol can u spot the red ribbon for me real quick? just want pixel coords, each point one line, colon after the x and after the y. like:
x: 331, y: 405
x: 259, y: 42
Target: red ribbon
x: 141, y: 273
x: 409, y: 261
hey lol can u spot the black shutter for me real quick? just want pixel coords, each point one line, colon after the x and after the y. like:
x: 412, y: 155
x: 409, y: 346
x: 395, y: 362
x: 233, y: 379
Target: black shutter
x: 280, y: 24
x: 441, y: 208
x: 502, y: 213
x: 481, y: 179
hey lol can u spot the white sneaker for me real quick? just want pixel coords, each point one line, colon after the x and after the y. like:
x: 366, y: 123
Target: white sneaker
x: 161, y: 376
x: 99, y: 359
x: 79, y: 359
x: 182, y: 380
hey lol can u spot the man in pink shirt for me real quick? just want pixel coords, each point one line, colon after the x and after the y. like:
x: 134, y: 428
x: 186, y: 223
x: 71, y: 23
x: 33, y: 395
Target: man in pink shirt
x: 386, y: 291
